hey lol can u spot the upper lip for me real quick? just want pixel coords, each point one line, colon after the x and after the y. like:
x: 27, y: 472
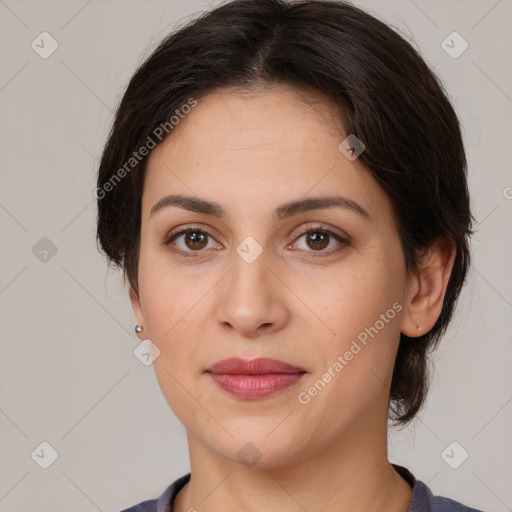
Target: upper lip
x: 259, y: 366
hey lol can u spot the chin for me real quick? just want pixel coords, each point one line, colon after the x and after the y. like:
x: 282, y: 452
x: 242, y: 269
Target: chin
x: 258, y: 451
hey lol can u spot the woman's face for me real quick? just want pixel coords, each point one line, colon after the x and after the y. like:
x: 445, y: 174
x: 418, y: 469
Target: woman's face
x: 251, y: 284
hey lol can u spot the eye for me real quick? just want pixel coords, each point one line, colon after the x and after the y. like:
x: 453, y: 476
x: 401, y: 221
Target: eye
x: 317, y: 239
x: 194, y: 239
x: 189, y: 240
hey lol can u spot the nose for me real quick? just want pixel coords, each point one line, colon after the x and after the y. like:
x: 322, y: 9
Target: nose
x: 252, y: 299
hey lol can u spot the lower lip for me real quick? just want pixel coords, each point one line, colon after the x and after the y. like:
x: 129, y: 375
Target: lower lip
x: 256, y: 386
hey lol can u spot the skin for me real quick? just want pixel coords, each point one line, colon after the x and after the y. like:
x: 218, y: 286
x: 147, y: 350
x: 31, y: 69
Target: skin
x: 252, y: 152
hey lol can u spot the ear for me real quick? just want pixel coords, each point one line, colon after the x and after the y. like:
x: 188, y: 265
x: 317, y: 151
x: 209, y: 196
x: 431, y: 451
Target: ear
x: 137, y: 309
x: 428, y: 288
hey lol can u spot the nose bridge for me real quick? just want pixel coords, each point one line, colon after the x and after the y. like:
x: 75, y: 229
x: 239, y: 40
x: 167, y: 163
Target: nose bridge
x: 251, y: 265
x: 249, y: 297
x: 249, y: 277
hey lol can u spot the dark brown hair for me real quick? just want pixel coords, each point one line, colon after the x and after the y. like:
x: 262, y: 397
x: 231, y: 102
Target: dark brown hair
x: 384, y: 92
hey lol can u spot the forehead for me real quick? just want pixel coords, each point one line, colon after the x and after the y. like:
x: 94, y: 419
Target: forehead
x: 257, y: 147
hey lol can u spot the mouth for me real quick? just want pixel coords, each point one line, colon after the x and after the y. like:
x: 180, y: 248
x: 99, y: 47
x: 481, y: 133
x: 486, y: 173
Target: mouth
x: 255, y: 378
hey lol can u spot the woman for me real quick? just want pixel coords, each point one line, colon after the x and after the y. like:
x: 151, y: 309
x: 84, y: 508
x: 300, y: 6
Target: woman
x: 284, y: 187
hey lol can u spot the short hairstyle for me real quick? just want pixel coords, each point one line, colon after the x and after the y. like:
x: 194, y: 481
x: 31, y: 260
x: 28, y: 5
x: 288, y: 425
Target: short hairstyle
x: 384, y: 94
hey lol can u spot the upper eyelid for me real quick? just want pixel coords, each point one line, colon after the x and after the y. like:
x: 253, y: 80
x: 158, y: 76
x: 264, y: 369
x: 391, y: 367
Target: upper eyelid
x: 318, y: 226
x: 183, y: 230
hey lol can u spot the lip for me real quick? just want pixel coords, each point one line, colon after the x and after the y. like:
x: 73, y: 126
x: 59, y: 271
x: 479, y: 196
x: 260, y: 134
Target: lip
x: 259, y: 366
x: 255, y: 378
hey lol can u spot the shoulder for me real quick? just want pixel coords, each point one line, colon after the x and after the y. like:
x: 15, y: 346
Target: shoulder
x: 424, y: 501
x: 432, y: 503
x: 164, y: 502
x: 143, y: 506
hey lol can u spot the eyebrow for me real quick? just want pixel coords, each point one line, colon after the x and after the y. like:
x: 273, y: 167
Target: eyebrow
x: 289, y: 209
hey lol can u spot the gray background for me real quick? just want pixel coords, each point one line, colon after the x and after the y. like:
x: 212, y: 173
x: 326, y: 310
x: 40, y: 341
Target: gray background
x: 68, y: 373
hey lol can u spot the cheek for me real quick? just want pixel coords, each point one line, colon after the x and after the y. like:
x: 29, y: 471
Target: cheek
x: 354, y: 366
x: 173, y: 313
x: 361, y: 305
x: 355, y: 296
x: 168, y: 294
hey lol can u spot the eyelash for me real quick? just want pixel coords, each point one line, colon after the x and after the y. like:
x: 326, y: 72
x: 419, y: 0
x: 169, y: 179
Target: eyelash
x: 309, y: 230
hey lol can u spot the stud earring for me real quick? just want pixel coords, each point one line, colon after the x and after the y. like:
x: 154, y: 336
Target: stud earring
x: 419, y: 327
x: 139, y: 329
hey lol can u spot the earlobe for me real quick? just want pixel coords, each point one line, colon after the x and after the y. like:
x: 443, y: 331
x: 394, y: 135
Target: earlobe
x: 135, y: 301
x: 428, y: 288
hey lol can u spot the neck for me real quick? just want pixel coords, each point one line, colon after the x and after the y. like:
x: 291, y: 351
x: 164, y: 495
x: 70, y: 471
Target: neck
x: 350, y: 474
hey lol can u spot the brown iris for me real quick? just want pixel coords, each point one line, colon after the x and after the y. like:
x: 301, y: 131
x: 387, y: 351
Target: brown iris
x: 196, y: 239
x: 318, y: 239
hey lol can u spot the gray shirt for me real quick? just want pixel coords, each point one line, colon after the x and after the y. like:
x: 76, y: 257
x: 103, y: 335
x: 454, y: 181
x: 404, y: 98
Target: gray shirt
x: 422, y: 498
